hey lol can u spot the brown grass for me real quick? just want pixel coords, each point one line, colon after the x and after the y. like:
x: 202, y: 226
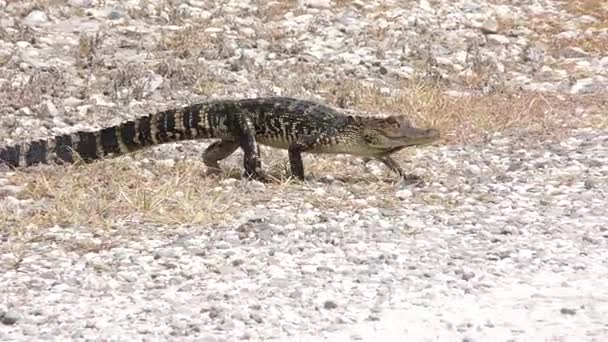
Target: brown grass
x: 86, y: 52
x: 590, y: 41
x: 123, y: 192
x: 127, y: 195
x: 41, y: 5
x: 193, y: 41
x: 594, y: 8
x: 29, y: 91
x: 467, y: 118
x: 93, y: 195
x: 594, y: 45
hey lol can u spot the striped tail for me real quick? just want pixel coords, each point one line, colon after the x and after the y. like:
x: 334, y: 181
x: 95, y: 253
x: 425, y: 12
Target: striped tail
x: 191, y: 122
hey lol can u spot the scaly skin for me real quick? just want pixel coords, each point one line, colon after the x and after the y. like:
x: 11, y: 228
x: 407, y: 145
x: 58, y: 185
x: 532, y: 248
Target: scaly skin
x: 295, y: 125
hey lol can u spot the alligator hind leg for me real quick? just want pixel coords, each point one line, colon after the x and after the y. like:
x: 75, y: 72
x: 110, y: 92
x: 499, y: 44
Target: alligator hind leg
x: 217, y: 151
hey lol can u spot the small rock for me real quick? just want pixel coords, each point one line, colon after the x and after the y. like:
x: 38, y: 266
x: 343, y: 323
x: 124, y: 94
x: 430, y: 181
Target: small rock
x: 329, y: 304
x: 425, y: 5
x: 323, y: 4
x: 256, y: 185
x: 256, y: 317
x: 567, y: 311
x: 114, y: 14
x: 567, y: 35
x: 71, y: 101
x: 168, y: 163
x: 497, y: 39
x: 585, y: 86
x: 11, y: 189
x: 247, y: 32
x: 309, y: 269
x: 573, y: 52
x: 404, y: 193
x: 215, y: 312
x: 35, y: 18
x: 489, y: 26
x: 10, y: 317
x: 589, y: 184
x: 48, y: 109
x: 81, y: 3
x: 534, y: 52
x: 590, y: 239
x: 467, y: 275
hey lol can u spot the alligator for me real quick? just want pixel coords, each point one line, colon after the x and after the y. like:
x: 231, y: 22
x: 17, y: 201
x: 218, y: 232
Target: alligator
x: 298, y: 126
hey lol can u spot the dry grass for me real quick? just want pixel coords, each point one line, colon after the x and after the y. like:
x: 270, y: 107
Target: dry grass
x: 594, y: 8
x: 40, y: 5
x: 20, y: 33
x: 546, y: 27
x: 594, y: 45
x: 86, y: 52
x: 122, y: 192
x: 467, y: 118
x: 272, y: 10
x: 193, y: 41
x: 94, y: 195
x: 30, y: 90
x: 189, y: 75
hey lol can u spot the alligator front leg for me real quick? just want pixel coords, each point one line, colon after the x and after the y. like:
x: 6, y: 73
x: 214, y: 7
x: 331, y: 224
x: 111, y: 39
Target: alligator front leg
x: 395, y: 167
x: 295, y: 155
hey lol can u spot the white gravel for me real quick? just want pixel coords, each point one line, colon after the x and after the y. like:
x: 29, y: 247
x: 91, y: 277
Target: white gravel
x: 520, y: 253
x: 507, y: 241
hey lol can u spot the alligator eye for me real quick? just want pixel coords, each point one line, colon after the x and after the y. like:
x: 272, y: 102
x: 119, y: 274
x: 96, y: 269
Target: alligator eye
x: 391, y: 120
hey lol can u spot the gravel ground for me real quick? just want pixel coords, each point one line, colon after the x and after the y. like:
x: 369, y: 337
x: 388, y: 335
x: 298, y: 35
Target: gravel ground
x: 519, y: 256
x: 505, y: 240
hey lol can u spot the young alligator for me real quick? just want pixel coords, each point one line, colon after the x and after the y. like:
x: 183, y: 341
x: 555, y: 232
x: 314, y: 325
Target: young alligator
x: 295, y: 125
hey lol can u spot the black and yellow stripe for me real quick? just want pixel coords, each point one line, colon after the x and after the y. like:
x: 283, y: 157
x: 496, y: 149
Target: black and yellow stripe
x: 279, y: 118
x: 191, y: 122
